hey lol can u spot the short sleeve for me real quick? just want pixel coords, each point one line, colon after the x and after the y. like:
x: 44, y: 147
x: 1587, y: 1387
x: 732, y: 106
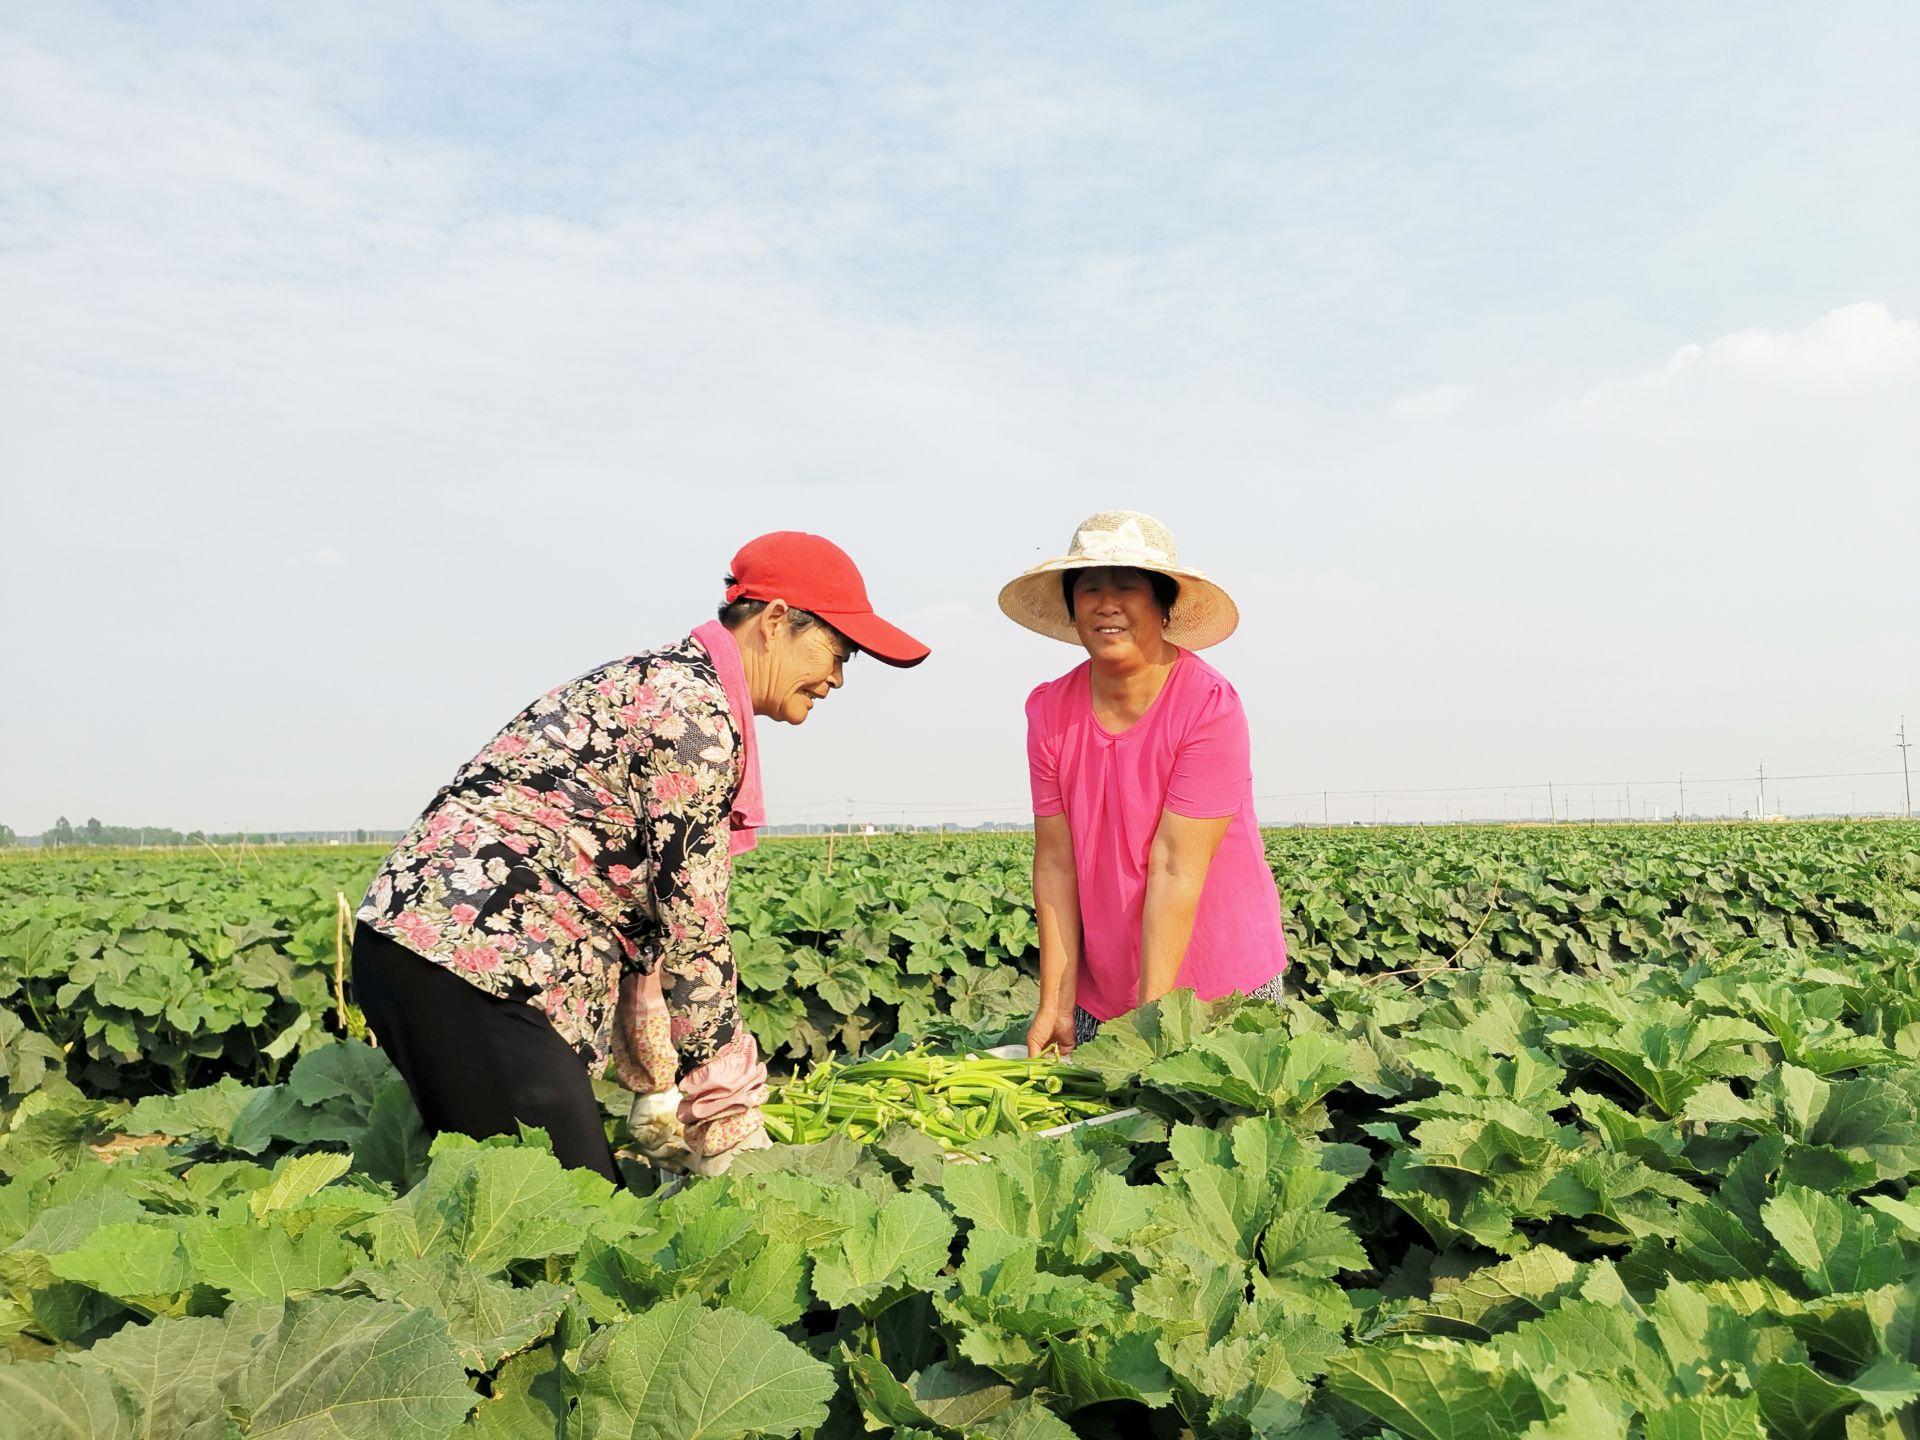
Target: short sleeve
x: 1213, y: 767
x: 1043, y: 770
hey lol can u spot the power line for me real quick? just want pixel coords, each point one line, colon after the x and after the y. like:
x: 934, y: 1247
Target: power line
x: 1533, y: 788
x: 1539, y: 786
x: 1905, y: 781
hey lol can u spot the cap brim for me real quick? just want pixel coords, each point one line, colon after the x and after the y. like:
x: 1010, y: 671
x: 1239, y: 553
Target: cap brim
x: 888, y: 644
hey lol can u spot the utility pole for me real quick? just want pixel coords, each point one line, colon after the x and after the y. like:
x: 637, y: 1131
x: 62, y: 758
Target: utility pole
x: 1763, y: 791
x: 1905, y: 778
x: 1682, y: 812
x: 1323, y: 809
x: 1550, y: 814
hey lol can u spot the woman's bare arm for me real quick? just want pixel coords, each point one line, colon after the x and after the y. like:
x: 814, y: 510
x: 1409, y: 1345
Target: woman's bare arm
x: 1177, y: 865
x: 1056, y: 908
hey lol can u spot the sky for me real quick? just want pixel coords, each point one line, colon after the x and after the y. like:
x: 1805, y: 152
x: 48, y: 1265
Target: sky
x: 1542, y: 381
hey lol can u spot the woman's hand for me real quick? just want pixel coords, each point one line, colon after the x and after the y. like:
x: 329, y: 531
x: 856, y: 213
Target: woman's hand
x: 1056, y: 912
x: 1051, y: 1030
x: 654, y: 1122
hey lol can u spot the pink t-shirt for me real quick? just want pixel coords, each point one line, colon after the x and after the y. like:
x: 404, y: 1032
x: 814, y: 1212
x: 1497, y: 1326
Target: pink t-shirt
x: 1189, y: 754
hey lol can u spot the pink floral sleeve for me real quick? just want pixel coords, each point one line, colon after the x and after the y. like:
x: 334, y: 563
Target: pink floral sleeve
x: 719, y: 1101
x: 586, y: 846
x: 683, y: 792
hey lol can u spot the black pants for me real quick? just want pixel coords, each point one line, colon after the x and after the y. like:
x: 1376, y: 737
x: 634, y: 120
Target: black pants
x: 476, y: 1064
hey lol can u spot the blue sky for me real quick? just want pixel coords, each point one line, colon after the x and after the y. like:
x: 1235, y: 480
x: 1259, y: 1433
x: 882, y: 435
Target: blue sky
x: 1545, y: 382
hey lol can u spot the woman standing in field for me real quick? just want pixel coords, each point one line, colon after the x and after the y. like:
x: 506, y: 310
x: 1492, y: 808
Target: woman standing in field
x: 564, y: 898
x: 1148, y: 871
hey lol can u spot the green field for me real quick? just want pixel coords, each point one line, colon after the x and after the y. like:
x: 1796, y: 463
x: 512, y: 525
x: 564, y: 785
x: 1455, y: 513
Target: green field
x: 1567, y: 1132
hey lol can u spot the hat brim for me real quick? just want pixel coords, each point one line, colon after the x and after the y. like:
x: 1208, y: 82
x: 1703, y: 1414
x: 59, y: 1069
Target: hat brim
x: 887, y: 643
x: 1203, y: 615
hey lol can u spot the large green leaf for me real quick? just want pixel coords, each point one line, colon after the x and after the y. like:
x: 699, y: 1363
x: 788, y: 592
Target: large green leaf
x: 1493, y: 1298
x: 173, y: 1370
x: 351, y: 1369
x: 346, y: 1070
x: 27, y: 1058
x: 773, y: 1284
x: 1007, y: 1307
x: 55, y: 1401
x: 529, y: 1401
x: 1126, y: 1046
x: 1057, y: 1191
x: 252, y: 1261
x: 901, y: 1246
x: 1263, y: 1071
x: 683, y: 1372
x: 1667, y: 1052
x: 208, y: 1113
x: 1026, y: 1419
x: 489, y: 1204
x: 950, y: 1400
x: 1437, y: 1389
x: 1800, y: 1403
x: 488, y: 1319
x: 140, y: 1263
x: 1113, y: 1364
x: 1837, y: 1245
x: 1707, y: 1417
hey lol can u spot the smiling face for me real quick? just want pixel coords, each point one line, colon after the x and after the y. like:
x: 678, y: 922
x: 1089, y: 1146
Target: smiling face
x: 1117, y: 616
x: 797, y: 668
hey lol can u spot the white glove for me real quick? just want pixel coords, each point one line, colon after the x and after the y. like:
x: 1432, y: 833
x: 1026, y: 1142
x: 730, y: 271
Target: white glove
x: 655, y: 1123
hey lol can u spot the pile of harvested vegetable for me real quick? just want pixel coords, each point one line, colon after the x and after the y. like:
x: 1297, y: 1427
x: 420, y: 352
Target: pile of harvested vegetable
x: 958, y: 1100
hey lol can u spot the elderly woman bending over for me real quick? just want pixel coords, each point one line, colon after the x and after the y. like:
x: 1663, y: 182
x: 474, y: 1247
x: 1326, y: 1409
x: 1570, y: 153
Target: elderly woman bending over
x: 563, y: 899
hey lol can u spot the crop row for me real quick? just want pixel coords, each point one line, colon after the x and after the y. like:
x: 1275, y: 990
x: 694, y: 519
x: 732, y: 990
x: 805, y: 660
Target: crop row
x: 157, y: 975
x: 1671, y: 1198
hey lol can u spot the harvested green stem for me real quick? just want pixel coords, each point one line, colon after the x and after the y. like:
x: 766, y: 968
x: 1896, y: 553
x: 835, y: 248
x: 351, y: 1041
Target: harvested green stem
x: 956, y: 1100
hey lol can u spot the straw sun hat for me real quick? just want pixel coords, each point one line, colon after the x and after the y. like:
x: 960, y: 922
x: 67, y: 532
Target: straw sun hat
x: 1203, y: 615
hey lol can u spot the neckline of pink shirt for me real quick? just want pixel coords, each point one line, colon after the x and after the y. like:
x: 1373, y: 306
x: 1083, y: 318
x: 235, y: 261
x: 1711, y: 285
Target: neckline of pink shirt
x: 749, y: 811
x: 1152, y: 704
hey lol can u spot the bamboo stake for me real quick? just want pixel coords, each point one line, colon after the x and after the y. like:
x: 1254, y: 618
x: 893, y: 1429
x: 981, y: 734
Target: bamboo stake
x: 340, y: 956
x: 342, y: 918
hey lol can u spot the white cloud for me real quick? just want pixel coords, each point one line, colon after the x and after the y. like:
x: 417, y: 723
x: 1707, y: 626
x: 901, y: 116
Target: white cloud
x: 1435, y: 404
x: 1862, y: 350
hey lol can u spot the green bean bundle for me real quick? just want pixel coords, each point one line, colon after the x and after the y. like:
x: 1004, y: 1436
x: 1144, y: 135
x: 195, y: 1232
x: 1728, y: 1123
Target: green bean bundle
x: 956, y: 1100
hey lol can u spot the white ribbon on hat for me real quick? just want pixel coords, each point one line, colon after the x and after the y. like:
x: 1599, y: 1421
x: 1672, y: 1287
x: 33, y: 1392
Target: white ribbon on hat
x: 1123, y: 545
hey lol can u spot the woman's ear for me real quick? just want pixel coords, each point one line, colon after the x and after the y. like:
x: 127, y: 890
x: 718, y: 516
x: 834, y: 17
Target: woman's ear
x: 773, y: 619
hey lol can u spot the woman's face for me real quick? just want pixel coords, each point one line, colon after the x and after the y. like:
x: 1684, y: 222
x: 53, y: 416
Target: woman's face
x: 1117, y: 618
x: 804, y: 667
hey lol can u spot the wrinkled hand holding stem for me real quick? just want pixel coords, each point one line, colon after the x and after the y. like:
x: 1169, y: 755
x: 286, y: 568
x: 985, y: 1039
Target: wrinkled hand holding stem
x: 1051, y: 1031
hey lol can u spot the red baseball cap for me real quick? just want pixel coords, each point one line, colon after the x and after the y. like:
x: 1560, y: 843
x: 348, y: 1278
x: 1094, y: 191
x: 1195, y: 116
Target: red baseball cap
x: 810, y: 572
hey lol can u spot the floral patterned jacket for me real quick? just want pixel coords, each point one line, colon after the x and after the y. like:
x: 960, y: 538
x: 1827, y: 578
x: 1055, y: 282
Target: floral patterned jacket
x: 589, y: 840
